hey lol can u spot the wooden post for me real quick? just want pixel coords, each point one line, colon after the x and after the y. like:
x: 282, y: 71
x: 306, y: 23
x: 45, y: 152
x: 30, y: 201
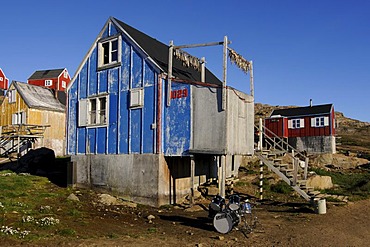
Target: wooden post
x: 223, y: 176
x: 251, y: 78
x: 261, y: 180
x: 305, y: 168
x: 169, y: 77
x: 224, y: 75
x: 260, y: 135
x: 192, y: 179
x: 295, y: 170
x: 203, y: 69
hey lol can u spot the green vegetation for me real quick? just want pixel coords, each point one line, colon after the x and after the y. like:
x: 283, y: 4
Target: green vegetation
x: 27, y: 207
x: 354, y: 185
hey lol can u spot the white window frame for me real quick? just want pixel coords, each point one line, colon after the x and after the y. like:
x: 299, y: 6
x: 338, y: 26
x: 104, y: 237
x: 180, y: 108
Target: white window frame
x: 136, y: 97
x: 48, y: 83
x: 12, y: 96
x: 1, y: 79
x: 64, y: 84
x: 93, y: 111
x: 65, y: 74
x: 318, y: 122
x: 19, y: 118
x: 297, y: 123
x: 107, y: 55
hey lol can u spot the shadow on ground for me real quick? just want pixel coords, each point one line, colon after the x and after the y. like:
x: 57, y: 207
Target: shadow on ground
x: 42, y: 162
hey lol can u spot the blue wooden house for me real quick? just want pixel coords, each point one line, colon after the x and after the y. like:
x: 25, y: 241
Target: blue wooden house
x: 124, y: 136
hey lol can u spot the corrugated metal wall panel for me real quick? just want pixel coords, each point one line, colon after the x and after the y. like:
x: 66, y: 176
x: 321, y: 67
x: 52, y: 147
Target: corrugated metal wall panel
x: 137, y: 70
x: 135, y: 130
x: 113, y: 110
x: 93, y: 81
x: 149, y: 119
x: 103, y: 81
x: 123, y: 123
x: 81, y: 140
x: 101, y: 138
x: 72, y: 119
x: 91, y: 140
x: 177, y: 122
x: 82, y: 89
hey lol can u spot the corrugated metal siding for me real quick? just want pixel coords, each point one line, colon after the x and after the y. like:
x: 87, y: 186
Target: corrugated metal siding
x: 129, y: 130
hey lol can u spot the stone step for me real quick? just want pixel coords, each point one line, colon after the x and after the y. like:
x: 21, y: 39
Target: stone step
x: 277, y: 160
x: 314, y: 193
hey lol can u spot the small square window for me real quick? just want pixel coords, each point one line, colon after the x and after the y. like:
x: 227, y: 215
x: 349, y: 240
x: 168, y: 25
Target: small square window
x: 48, y: 83
x: 11, y: 96
x: 109, y: 52
x: 1, y: 79
x: 93, y: 111
x: 136, y: 98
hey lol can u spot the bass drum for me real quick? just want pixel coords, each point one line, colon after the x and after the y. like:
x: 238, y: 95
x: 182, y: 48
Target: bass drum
x: 225, y: 221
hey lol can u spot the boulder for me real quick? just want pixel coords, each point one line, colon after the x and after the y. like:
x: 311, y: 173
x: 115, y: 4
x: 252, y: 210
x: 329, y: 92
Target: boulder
x: 73, y: 197
x: 212, y: 191
x: 320, y: 182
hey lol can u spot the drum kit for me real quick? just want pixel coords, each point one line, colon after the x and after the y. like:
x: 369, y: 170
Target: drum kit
x: 227, y: 216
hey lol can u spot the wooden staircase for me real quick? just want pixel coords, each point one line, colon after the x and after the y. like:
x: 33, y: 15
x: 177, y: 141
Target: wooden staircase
x: 18, y: 138
x: 271, y: 150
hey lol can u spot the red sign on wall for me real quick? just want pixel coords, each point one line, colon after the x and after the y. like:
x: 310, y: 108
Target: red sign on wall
x: 181, y: 93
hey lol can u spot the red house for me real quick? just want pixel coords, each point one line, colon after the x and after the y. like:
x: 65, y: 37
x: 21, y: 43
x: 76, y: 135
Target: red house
x: 3, y: 81
x: 57, y: 79
x: 310, y: 128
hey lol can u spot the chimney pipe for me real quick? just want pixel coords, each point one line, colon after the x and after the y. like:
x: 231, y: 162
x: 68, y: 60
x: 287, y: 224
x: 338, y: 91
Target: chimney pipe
x: 310, y: 102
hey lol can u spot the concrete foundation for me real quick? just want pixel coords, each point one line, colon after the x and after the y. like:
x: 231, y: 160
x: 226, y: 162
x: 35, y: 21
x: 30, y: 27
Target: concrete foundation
x: 149, y: 179
x: 314, y: 144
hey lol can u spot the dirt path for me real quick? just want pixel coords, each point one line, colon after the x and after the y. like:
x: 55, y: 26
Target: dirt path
x: 282, y: 225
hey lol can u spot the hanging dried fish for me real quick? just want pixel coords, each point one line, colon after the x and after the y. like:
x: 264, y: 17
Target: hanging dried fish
x: 239, y: 61
x: 187, y: 59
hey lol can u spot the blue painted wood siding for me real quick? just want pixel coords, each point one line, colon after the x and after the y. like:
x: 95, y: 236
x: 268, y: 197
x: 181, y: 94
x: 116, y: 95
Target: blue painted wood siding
x: 128, y: 130
x: 177, y: 121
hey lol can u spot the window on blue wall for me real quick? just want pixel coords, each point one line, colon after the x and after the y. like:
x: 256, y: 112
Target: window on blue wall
x: 109, y: 52
x: 97, y: 110
x: 93, y: 111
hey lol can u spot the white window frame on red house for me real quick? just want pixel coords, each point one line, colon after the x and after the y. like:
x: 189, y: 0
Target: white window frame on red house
x: 297, y: 123
x: 64, y: 84
x: 48, y: 83
x: 319, y: 122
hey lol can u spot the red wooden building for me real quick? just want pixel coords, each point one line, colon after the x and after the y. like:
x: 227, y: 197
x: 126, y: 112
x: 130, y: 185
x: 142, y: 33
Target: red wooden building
x: 57, y: 79
x: 310, y: 128
x: 3, y: 81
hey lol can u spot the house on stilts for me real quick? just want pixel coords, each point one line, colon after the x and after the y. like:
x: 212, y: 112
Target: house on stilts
x: 150, y: 131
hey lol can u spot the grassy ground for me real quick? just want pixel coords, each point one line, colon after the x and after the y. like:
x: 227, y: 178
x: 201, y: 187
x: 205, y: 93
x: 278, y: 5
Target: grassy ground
x: 30, y: 206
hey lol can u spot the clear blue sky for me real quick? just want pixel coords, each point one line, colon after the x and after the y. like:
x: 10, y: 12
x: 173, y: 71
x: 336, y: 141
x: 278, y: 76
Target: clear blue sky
x: 301, y: 50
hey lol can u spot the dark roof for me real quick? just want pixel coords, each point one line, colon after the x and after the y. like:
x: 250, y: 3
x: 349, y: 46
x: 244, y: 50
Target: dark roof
x: 303, y: 111
x: 38, y: 97
x: 159, y: 53
x: 46, y: 74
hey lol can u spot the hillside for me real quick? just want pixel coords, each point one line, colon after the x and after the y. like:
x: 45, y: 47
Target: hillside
x: 353, y: 135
